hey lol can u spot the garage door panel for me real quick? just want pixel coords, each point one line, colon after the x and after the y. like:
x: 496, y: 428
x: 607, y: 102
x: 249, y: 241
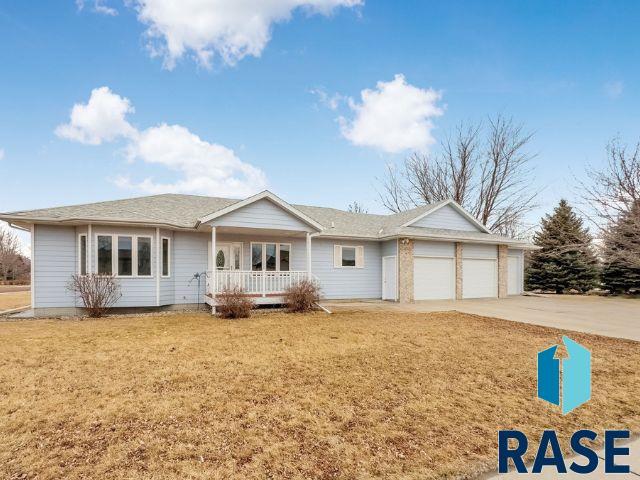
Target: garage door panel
x: 479, y: 278
x: 433, y: 278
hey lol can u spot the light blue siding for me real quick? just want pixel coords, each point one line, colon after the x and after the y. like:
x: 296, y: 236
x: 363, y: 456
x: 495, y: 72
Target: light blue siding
x: 389, y: 248
x: 347, y: 282
x: 55, y: 261
x: 262, y: 214
x: 446, y: 217
x: 426, y: 248
x: 478, y: 250
x: 190, y: 257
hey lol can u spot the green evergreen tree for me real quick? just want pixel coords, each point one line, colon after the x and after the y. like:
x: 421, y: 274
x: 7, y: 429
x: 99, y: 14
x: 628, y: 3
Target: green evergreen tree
x: 621, y: 253
x: 566, y: 260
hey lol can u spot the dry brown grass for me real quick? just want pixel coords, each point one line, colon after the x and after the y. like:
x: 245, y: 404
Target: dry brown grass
x: 351, y: 395
x: 12, y: 300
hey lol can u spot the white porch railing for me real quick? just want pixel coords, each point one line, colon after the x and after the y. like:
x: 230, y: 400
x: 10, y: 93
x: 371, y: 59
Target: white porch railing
x: 254, y: 283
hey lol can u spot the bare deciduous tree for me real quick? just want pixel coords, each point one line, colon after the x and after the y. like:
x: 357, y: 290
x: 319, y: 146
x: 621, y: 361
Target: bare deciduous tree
x: 612, y: 190
x: 13, y: 265
x: 483, y: 167
x: 612, y: 194
x: 98, y: 292
x: 356, y: 207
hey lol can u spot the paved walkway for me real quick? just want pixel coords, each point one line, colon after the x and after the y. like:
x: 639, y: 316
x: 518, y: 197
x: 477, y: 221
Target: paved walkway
x: 610, y: 316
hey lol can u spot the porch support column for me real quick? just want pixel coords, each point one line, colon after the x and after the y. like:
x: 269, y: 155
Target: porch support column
x: 503, y: 265
x: 214, y: 272
x: 308, y: 255
x: 89, y: 248
x: 158, y: 267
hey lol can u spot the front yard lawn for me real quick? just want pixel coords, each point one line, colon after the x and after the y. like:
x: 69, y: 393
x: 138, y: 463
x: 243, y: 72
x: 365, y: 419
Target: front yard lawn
x: 11, y: 300
x: 349, y: 395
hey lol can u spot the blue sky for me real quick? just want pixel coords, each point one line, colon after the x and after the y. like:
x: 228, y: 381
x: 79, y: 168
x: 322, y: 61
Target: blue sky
x: 567, y: 70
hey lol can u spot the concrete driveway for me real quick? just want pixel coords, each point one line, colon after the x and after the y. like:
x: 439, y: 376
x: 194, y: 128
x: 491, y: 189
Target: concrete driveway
x: 614, y: 317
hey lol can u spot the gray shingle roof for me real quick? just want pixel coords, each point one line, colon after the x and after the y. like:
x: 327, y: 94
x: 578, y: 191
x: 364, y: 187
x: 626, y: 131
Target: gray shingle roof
x: 184, y: 211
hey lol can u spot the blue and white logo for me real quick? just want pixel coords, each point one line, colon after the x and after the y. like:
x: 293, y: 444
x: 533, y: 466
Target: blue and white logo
x: 565, y: 382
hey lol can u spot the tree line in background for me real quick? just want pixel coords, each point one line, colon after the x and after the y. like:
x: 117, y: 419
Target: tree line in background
x: 486, y: 167
x: 15, y: 268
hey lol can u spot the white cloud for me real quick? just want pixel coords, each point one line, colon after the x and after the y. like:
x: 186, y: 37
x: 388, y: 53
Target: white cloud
x: 99, y: 6
x: 393, y: 117
x: 204, y: 167
x: 231, y: 29
x: 614, y: 89
x: 101, y: 119
x: 1, y: 153
x: 331, y: 101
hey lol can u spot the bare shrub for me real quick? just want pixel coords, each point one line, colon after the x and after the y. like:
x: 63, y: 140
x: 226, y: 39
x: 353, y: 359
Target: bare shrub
x: 302, y: 296
x: 233, y: 302
x: 98, y: 292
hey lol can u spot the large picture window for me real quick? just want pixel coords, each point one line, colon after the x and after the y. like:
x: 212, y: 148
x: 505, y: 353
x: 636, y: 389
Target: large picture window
x: 124, y: 255
x: 105, y: 254
x: 270, y: 257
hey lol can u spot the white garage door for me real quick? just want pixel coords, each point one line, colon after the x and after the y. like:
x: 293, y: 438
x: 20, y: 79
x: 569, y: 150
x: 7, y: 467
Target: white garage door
x: 433, y: 278
x: 479, y: 278
x: 514, y: 276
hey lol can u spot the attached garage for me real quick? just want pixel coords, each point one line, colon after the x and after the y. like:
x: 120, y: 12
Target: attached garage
x: 434, y: 278
x: 479, y: 271
x: 434, y: 271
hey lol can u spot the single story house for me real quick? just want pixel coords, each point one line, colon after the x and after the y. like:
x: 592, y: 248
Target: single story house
x: 175, y: 251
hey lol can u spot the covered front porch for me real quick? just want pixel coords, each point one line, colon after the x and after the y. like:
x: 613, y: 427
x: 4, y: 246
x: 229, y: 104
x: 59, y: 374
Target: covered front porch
x: 262, y: 262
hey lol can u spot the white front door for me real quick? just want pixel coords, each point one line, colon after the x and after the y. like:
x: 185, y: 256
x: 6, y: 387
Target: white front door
x: 514, y: 276
x: 228, y: 256
x: 389, y: 278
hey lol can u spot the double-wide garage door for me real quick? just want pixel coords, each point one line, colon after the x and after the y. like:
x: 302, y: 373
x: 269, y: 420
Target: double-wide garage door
x: 479, y: 278
x: 434, y: 278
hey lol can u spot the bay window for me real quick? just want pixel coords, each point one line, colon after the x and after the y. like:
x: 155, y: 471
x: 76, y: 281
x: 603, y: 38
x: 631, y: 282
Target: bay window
x: 124, y: 255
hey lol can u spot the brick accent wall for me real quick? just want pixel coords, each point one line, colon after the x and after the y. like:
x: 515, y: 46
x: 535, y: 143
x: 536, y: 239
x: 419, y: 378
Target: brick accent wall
x: 405, y: 271
x: 503, y: 270
x: 459, y: 278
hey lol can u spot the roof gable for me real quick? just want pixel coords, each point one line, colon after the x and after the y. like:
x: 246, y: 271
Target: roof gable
x: 447, y: 215
x: 263, y: 210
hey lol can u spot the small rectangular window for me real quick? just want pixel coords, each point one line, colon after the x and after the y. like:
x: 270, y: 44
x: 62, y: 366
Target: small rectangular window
x: 285, y: 250
x: 256, y: 257
x: 83, y: 255
x: 125, y: 252
x: 105, y: 254
x: 144, y: 256
x: 348, y: 256
x: 165, y: 257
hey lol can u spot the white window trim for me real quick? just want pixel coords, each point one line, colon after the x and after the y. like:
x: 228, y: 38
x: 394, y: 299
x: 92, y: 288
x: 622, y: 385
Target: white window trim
x: 134, y: 254
x: 168, y: 239
x: 264, y: 256
x: 87, y: 253
x: 355, y: 248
